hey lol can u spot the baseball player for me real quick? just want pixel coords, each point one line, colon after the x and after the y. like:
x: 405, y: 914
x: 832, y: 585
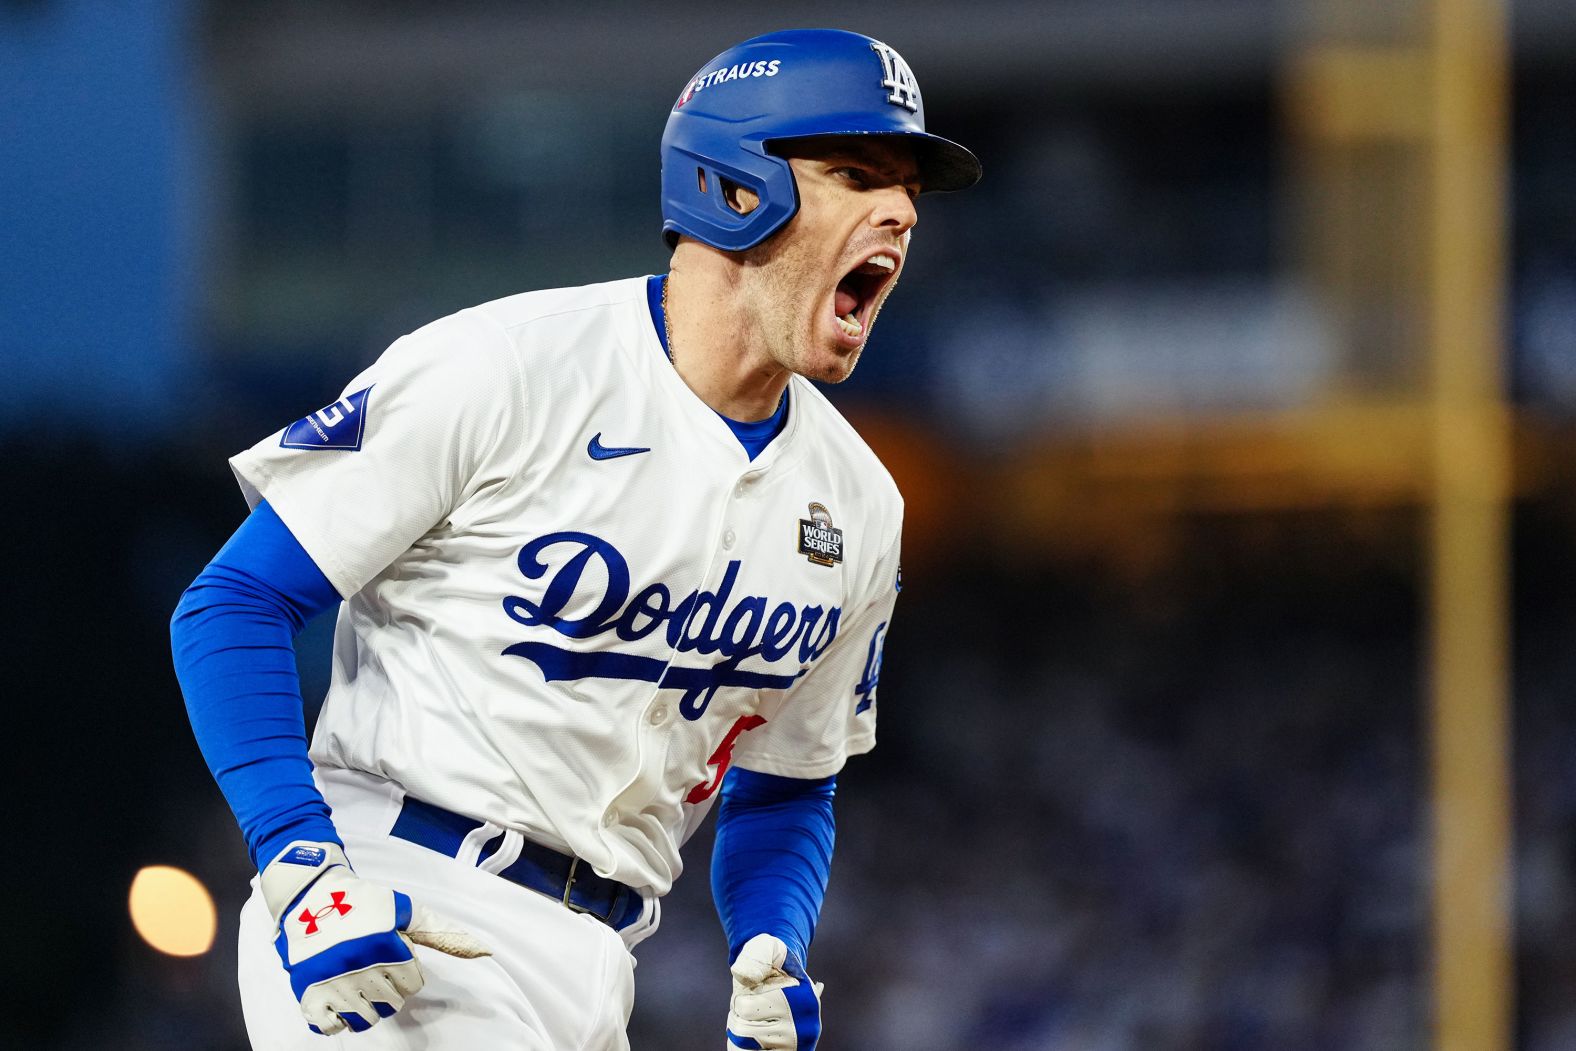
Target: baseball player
x: 602, y: 558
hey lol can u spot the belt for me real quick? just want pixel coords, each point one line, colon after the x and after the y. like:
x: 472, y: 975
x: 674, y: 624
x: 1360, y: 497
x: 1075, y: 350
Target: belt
x: 567, y: 880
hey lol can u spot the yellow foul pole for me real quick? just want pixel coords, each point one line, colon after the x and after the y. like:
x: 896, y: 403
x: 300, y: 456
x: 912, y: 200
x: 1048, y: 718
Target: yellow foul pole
x: 1472, y: 940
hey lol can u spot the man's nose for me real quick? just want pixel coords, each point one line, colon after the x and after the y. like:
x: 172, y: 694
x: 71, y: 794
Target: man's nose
x: 894, y: 210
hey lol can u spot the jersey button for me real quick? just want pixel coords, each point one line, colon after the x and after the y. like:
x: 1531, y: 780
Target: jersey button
x: 729, y: 538
x: 658, y: 715
x: 609, y: 818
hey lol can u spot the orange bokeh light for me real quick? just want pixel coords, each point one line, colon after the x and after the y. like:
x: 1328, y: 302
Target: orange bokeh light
x: 172, y: 911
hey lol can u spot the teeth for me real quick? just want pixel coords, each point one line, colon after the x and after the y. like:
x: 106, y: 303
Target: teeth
x: 881, y: 265
x: 850, y: 324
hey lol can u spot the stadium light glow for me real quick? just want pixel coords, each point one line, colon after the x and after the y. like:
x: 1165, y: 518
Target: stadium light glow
x: 172, y: 911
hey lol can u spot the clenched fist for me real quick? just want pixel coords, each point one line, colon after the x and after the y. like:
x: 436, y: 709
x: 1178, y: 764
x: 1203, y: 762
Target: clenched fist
x: 775, y: 1006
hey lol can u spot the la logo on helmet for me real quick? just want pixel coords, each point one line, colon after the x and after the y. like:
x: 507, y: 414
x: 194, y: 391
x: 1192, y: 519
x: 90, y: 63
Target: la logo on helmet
x: 899, y: 79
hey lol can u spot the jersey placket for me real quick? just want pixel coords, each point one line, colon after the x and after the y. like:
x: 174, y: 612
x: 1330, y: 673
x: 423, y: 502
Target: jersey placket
x: 656, y: 715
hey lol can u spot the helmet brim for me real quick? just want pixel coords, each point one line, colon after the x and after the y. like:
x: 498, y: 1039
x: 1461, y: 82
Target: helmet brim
x: 944, y: 165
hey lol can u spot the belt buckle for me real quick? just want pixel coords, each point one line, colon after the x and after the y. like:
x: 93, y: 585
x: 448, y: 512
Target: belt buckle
x: 569, y: 885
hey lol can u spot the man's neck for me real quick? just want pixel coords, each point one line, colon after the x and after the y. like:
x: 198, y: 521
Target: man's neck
x: 711, y: 339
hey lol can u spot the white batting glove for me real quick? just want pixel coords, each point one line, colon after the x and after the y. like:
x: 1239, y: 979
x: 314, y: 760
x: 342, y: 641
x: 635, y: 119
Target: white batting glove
x: 775, y: 1006
x: 346, y: 943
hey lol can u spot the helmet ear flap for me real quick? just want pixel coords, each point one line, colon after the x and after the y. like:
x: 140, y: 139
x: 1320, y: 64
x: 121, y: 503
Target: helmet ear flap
x: 725, y: 205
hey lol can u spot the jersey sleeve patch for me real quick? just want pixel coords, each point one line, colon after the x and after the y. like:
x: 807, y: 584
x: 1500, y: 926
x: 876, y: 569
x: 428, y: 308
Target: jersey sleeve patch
x: 337, y: 426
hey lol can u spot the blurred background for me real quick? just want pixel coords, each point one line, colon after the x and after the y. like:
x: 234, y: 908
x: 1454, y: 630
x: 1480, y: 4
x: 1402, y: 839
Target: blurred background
x: 1227, y: 706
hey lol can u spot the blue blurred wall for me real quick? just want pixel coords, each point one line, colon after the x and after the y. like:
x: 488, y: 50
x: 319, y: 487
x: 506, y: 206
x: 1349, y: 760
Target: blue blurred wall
x: 98, y: 212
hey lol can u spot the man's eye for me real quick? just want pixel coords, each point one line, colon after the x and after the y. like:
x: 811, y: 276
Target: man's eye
x: 853, y: 175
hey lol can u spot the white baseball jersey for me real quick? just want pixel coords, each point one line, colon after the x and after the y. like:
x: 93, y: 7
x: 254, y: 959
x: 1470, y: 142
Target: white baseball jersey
x: 569, y: 594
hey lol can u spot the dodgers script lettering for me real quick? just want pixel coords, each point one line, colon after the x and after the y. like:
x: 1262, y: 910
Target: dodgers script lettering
x: 702, y: 622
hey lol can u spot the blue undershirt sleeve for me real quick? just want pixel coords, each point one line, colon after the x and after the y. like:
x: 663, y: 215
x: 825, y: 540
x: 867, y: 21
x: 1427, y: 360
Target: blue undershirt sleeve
x: 772, y: 858
x: 231, y: 639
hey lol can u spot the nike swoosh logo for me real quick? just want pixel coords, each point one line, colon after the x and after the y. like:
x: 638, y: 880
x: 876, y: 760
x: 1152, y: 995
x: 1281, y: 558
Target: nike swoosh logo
x: 597, y: 451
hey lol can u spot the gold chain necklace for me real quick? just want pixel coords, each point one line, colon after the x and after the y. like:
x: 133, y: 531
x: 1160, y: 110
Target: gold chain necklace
x: 667, y: 326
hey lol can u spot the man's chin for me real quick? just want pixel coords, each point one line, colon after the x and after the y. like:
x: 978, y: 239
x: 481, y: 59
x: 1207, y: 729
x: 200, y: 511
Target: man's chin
x: 831, y: 364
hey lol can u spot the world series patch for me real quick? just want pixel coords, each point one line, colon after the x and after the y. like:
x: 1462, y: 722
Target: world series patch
x: 819, y: 540
x: 337, y: 426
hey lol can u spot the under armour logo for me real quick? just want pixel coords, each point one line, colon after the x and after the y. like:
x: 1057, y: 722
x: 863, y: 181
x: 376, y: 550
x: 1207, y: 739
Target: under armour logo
x: 899, y: 79
x: 337, y: 904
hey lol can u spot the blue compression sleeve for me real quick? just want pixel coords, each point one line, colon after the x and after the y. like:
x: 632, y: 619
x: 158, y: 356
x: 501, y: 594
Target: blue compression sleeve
x: 231, y: 638
x: 772, y: 857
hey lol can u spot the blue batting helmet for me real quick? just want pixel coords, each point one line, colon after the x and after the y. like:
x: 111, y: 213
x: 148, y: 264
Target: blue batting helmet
x: 796, y: 84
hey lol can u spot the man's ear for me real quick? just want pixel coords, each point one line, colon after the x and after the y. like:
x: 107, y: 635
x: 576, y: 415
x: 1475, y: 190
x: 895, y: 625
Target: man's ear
x: 741, y: 199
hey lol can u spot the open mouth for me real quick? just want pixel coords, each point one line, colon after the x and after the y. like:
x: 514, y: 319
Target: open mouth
x: 859, y: 291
